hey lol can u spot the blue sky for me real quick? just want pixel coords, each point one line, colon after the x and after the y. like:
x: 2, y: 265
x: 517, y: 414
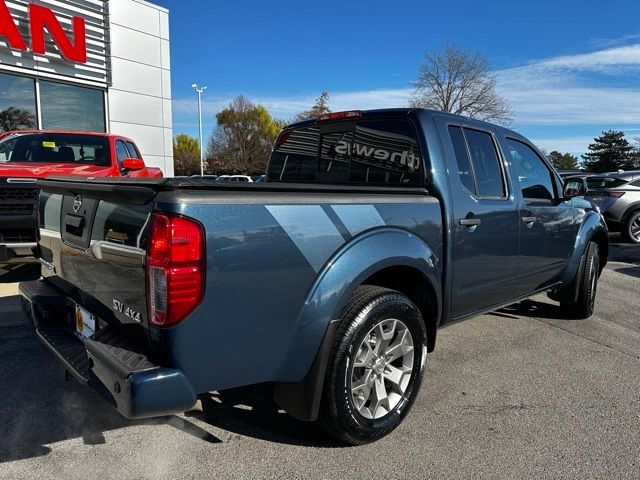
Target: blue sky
x: 568, y: 68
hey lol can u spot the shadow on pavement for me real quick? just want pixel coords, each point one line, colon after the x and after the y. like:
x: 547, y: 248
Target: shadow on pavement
x: 250, y: 411
x: 624, y: 252
x: 37, y: 408
x: 631, y: 271
x: 531, y: 308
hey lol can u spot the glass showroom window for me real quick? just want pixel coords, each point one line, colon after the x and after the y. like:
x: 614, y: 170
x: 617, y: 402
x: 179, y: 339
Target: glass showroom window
x: 17, y: 103
x: 68, y: 107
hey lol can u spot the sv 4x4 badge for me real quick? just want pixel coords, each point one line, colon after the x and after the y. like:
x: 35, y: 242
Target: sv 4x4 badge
x: 119, y: 306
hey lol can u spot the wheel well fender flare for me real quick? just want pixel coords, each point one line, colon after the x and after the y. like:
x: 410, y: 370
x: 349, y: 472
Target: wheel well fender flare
x: 631, y: 209
x: 592, y: 228
x: 304, y: 367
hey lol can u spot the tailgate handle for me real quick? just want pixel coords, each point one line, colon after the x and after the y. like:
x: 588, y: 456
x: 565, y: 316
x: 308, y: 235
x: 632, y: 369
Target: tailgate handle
x: 74, y: 221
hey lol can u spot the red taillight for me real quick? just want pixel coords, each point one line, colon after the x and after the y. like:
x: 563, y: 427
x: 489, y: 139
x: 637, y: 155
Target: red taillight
x: 175, y: 268
x: 340, y: 115
x: 615, y: 194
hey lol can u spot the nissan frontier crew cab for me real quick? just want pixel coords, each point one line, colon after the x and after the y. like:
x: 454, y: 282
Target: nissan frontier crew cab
x: 327, y: 282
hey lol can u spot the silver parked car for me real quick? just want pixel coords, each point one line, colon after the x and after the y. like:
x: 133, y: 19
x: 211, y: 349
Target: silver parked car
x: 618, y: 196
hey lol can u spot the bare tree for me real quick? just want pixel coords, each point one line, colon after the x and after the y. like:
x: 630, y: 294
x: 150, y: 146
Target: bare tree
x: 457, y: 81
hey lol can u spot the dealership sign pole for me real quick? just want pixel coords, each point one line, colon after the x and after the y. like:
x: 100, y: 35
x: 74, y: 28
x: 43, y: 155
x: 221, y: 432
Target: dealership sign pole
x: 200, y: 90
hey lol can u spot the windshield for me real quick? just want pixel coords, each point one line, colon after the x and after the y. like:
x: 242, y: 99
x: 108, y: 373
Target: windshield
x: 72, y: 148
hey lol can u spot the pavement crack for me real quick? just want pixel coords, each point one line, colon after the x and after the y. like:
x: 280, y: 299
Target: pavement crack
x: 495, y: 409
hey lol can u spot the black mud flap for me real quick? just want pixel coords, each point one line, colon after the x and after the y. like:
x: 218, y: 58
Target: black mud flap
x: 4, y: 253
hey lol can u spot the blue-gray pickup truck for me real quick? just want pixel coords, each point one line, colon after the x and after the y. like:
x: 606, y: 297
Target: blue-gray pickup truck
x: 327, y: 282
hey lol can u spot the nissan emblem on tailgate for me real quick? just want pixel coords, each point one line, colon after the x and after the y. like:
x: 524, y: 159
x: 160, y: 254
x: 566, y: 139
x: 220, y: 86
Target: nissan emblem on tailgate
x: 77, y: 203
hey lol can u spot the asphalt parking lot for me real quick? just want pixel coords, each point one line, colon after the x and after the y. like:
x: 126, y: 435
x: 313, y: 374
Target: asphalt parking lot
x: 519, y: 393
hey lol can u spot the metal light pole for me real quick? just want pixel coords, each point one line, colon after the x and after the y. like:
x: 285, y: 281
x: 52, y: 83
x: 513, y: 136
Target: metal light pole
x: 200, y: 90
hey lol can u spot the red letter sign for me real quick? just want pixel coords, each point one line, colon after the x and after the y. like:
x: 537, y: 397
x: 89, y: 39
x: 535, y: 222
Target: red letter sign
x: 43, y: 17
x: 9, y: 29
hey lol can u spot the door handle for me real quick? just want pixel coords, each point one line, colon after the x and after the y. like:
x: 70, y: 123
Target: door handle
x: 529, y: 219
x: 469, y: 222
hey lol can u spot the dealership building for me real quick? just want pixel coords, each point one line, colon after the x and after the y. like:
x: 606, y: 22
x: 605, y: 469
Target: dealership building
x: 88, y: 65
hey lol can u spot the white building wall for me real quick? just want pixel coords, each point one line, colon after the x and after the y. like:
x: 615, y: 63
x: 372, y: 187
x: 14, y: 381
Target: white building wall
x: 127, y: 57
x: 139, y: 98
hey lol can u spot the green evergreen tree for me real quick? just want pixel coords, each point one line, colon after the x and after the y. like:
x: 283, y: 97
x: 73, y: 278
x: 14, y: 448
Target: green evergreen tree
x: 609, y: 152
x: 564, y: 161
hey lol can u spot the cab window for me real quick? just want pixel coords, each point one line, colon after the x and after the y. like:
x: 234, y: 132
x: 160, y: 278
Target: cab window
x: 478, y: 162
x: 121, y: 151
x: 133, y: 150
x: 372, y: 152
x: 533, y: 174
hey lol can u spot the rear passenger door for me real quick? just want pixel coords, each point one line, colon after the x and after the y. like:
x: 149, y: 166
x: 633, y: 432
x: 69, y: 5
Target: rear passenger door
x: 485, y: 239
x: 546, y: 220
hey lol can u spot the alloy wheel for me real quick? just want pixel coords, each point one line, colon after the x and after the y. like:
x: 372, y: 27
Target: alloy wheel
x: 634, y: 229
x: 382, y: 368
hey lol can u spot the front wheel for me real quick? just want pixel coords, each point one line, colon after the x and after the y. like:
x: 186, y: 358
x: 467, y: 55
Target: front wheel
x: 376, y: 366
x: 583, y: 307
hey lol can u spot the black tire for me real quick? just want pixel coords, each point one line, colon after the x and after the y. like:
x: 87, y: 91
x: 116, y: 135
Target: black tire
x: 632, y: 231
x: 583, y: 307
x: 368, y: 307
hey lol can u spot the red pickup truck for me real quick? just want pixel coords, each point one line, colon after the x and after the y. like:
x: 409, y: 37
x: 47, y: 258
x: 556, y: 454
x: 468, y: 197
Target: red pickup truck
x: 29, y: 155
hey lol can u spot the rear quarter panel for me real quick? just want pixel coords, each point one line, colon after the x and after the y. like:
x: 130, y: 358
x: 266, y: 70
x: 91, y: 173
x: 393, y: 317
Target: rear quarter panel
x: 279, y: 267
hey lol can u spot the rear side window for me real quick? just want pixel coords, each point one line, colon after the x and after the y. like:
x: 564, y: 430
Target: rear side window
x: 379, y: 152
x: 478, y: 162
x: 462, y: 158
x: 486, y: 167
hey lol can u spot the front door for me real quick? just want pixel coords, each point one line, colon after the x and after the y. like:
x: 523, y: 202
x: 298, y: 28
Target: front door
x: 485, y: 239
x: 546, y: 220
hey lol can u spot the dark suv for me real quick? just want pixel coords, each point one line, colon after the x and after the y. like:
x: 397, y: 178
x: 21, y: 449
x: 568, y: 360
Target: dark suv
x: 618, y: 196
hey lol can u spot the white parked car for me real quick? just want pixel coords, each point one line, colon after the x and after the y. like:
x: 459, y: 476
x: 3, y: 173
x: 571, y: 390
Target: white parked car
x: 234, y: 178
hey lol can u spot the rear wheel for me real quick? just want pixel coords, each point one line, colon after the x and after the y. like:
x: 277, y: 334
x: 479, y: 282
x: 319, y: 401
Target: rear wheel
x: 633, y: 228
x: 376, y: 366
x: 583, y: 307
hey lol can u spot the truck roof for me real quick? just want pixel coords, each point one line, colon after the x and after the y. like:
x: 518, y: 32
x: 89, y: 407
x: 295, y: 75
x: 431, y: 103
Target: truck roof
x: 73, y: 132
x: 397, y: 112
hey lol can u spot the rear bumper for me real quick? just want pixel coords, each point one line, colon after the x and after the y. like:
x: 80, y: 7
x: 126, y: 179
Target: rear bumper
x: 113, y: 364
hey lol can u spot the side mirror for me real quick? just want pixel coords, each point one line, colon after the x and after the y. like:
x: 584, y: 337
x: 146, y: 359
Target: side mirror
x: 132, y: 164
x: 575, y: 187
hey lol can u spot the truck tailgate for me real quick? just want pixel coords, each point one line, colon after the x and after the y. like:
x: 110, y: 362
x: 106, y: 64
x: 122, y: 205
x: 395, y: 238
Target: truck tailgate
x: 92, y: 246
